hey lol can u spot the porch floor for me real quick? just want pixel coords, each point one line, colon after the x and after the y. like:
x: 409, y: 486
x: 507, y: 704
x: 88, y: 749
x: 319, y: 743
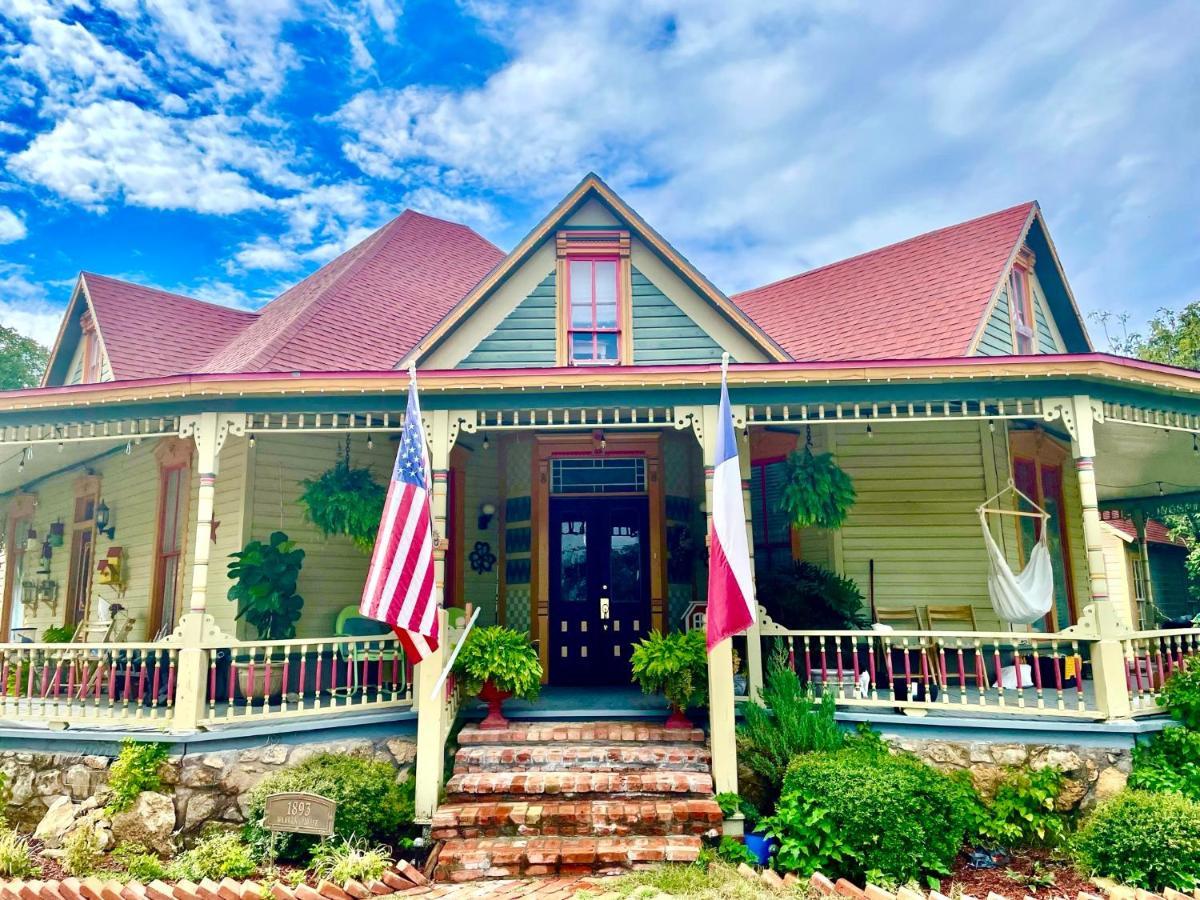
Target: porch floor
x: 559, y: 702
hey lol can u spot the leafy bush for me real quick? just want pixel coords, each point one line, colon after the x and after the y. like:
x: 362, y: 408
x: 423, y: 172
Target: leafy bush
x: 264, y: 587
x: 58, y: 634
x: 1023, y: 812
x: 1148, y: 840
x: 788, y: 722
x: 81, y: 852
x: 805, y: 595
x: 675, y: 665
x: 1181, y: 694
x: 371, y: 805
x: 345, y: 500
x: 818, y: 492
x: 16, y: 859
x: 862, y: 814
x: 502, y: 656
x: 731, y: 804
x: 733, y: 851
x: 1170, y: 762
x: 139, y: 863
x: 340, y: 861
x: 217, y: 855
x: 137, y: 768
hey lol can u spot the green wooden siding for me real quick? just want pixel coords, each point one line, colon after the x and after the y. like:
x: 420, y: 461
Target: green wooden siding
x: 525, y: 337
x: 997, y: 335
x: 664, y: 333
x: 1045, y: 336
x: 1168, y: 577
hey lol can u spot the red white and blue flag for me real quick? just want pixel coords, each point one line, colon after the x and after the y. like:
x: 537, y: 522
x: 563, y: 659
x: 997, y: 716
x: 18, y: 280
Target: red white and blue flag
x: 730, y: 585
x: 399, y: 588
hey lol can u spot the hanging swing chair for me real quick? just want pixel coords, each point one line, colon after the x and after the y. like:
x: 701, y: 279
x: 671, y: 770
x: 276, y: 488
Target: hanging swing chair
x: 1025, y: 597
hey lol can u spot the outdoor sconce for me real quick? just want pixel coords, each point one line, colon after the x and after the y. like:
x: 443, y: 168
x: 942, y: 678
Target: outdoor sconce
x: 47, y: 552
x: 103, y: 514
x: 31, y: 541
x: 486, y: 511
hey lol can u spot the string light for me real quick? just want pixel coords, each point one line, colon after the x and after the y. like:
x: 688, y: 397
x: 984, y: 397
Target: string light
x: 370, y: 442
x: 60, y: 446
x: 1161, y: 492
x: 1195, y: 444
x: 486, y: 442
x: 128, y: 447
x: 992, y: 425
x: 870, y: 433
x: 252, y: 440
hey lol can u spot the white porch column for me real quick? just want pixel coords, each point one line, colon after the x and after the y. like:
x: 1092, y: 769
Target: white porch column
x: 721, y: 720
x: 209, y: 430
x: 754, y: 666
x: 432, y: 712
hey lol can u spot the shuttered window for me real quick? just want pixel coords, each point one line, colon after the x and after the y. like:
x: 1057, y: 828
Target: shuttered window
x: 772, y: 533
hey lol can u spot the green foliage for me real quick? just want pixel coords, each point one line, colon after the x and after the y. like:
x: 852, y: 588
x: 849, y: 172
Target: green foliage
x: 733, y: 851
x: 16, y: 859
x: 861, y: 814
x: 674, y: 665
x: 710, y: 881
x: 1170, y: 762
x: 345, y: 500
x: 818, y: 492
x: 1151, y: 841
x: 264, y: 588
x: 81, y: 852
x: 371, y: 804
x: 58, y: 634
x: 731, y: 804
x: 807, y: 596
x: 139, y: 863
x: 1181, y: 694
x: 217, y: 855
x: 1037, y: 877
x: 788, y: 722
x: 502, y: 656
x: 1023, y: 811
x: 137, y: 768
x: 22, y: 360
x: 341, y: 861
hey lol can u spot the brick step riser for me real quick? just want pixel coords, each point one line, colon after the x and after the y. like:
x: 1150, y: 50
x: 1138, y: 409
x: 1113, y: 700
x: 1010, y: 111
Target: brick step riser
x: 616, y: 829
x: 550, y: 786
x: 476, y: 759
x: 569, y: 797
x: 590, y: 733
x: 573, y: 856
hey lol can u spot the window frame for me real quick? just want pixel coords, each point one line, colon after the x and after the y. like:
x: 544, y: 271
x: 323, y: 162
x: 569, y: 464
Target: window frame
x: 758, y: 473
x: 594, y: 245
x: 1021, y: 314
x: 593, y: 260
x: 173, y: 455
x: 91, y: 349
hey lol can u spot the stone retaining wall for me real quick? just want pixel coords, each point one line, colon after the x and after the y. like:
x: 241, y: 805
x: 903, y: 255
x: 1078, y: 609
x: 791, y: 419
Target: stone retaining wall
x: 205, y: 785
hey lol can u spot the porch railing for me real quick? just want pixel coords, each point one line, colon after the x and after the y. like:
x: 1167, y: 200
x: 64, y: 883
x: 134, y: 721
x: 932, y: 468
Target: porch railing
x: 1151, y: 657
x: 125, y: 683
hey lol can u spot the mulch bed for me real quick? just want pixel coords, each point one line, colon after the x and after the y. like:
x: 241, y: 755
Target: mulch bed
x: 980, y: 882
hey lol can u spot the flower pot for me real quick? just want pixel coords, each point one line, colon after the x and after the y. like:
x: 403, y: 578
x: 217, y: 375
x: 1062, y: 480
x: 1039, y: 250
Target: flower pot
x: 678, y: 720
x: 494, y: 698
x: 761, y: 846
x: 252, y: 679
x: 741, y: 686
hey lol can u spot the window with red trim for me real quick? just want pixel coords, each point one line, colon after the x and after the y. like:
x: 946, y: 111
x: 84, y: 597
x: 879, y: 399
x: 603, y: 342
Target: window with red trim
x: 169, y: 552
x: 1020, y: 305
x: 593, y: 321
x: 771, y: 528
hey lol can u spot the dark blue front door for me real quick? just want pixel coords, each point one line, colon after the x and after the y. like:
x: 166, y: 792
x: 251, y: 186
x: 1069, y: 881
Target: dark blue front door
x: 599, y: 587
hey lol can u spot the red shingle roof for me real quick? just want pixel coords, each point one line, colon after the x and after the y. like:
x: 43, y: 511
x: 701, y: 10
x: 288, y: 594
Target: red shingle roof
x: 368, y: 307
x: 149, y: 332
x: 922, y: 298
x: 1156, y: 532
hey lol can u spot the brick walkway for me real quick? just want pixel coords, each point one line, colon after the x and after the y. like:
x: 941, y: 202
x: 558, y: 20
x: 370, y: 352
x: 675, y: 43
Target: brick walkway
x: 542, y: 889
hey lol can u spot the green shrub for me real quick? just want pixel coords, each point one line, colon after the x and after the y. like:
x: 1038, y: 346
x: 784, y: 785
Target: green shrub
x: 674, y: 665
x: 789, y: 721
x: 16, y: 859
x: 861, y: 814
x: 217, y: 855
x: 1023, y: 812
x: 59, y: 634
x: 1148, y: 840
x: 731, y: 804
x: 81, y: 852
x: 733, y: 851
x: 1181, y: 694
x: 136, y: 769
x: 139, y: 863
x: 502, y: 656
x: 341, y: 861
x: 805, y: 595
x: 371, y: 805
x: 1170, y: 762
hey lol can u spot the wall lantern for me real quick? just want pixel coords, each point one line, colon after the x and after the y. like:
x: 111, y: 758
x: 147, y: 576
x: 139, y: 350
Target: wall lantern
x: 47, y: 552
x: 103, y: 514
x: 486, y: 511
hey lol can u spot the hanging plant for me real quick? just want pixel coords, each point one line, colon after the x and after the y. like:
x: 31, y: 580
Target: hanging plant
x: 345, y: 500
x: 818, y: 492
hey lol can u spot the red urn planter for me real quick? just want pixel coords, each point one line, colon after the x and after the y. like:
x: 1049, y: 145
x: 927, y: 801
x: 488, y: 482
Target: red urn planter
x: 678, y: 720
x: 494, y: 698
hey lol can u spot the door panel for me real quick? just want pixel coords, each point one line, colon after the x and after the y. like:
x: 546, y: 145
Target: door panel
x: 599, y: 589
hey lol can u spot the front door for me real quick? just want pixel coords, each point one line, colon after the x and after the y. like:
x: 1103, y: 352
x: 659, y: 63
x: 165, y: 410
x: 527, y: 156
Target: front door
x: 599, y: 587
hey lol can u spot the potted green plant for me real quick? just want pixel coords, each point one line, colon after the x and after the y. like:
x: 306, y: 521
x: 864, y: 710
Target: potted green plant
x: 264, y: 588
x: 818, y: 493
x: 675, y: 665
x: 497, y: 663
x: 345, y: 500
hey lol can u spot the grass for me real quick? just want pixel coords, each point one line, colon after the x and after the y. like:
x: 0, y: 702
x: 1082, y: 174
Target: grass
x: 695, y: 882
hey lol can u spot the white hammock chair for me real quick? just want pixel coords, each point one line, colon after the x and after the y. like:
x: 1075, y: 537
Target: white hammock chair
x: 1025, y: 597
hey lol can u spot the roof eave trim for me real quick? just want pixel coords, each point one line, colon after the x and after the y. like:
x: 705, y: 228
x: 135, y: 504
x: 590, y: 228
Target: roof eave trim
x: 994, y: 298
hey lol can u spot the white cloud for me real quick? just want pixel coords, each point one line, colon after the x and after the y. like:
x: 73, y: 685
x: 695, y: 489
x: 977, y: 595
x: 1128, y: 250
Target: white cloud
x: 266, y: 253
x: 12, y: 226
x: 24, y: 307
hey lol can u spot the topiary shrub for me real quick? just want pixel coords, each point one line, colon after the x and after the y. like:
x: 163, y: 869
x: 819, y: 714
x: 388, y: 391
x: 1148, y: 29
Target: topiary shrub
x: 371, y: 804
x: 1170, y: 762
x: 1148, y: 840
x: 863, y: 814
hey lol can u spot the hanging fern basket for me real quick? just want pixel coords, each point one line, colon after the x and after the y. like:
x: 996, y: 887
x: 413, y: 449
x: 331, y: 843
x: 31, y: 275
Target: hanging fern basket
x: 818, y: 492
x: 345, y: 500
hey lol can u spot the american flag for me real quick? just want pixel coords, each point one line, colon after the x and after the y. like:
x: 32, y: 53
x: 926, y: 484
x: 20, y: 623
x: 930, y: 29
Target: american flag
x: 399, y: 588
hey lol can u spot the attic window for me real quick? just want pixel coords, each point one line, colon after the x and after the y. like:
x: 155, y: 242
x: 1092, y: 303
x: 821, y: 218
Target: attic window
x: 1020, y: 304
x: 593, y: 297
x: 91, y: 349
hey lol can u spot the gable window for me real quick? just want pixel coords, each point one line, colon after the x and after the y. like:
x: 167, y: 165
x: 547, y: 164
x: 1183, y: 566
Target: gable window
x: 91, y: 349
x: 593, y: 277
x: 1020, y: 304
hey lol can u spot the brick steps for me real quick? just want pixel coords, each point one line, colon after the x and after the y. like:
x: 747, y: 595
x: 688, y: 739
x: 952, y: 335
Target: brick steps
x: 471, y: 860
x: 573, y: 798
x: 596, y: 818
x: 573, y: 758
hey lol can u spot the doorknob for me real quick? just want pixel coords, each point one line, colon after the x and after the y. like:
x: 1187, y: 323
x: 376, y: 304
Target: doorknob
x: 604, y: 608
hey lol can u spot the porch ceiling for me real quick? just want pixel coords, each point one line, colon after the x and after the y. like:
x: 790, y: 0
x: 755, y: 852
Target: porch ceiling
x: 47, y: 459
x: 1139, y: 462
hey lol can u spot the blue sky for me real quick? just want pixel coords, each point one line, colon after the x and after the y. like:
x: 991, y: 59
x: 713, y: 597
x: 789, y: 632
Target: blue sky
x: 226, y: 149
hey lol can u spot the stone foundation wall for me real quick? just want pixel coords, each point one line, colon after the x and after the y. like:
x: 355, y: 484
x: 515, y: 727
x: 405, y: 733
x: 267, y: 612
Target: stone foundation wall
x: 204, y: 785
x: 1093, y: 774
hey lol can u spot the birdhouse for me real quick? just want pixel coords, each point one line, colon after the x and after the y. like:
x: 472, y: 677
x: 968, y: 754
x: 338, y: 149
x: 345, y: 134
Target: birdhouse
x: 695, y: 615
